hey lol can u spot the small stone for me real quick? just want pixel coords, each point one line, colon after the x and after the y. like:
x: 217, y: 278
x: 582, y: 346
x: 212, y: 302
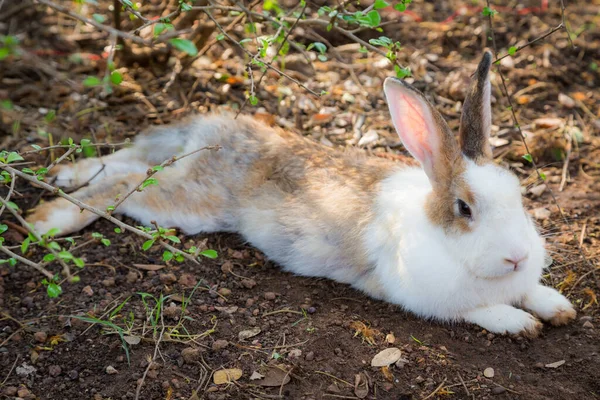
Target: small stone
x: 310, y: 356
x: 541, y: 213
x: 498, y: 390
x: 585, y: 318
x: 488, y: 372
x: 152, y: 374
x: 25, y: 393
x: 108, y: 282
x: 337, y: 351
x: 270, y: 296
x: 312, y: 310
x: 295, y: 353
x: 566, y: 100
x: 131, y: 277
x: 219, y: 344
x: 419, y: 379
x: 248, y: 283
x: 54, y: 370
x: 401, y: 363
x: 538, y: 190
x: 10, y: 391
x: 539, y: 365
x: 249, y: 302
x: 190, y: 355
x: 227, y: 267
x: 588, y: 325
x: 168, y: 279
x: 73, y: 374
x: 40, y: 336
x: 110, y: 370
x: 224, y: 292
x: 187, y: 280
x: 88, y: 291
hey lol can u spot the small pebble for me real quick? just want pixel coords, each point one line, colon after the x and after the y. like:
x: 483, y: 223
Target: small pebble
x: 337, y: 351
x: 295, y: 353
x: 168, y: 279
x: 310, y: 356
x: 131, y: 277
x: 248, y: 283
x: 312, y: 310
x: 488, y: 372
x: 40, y: 336
x: 270, y: 296
x: 88, y: 291
x: 224, y: 292
x: 109, y: 282
x: 219, y: 344
x: 54, y: 370
x: 190, y: 355
x: 588, y: 325
x: 110, y: 370
x: 498, y: 390
x: 73, y: 374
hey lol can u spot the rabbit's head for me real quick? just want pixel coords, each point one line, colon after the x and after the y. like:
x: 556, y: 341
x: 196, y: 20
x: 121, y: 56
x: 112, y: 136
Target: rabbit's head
x: 476, y: 202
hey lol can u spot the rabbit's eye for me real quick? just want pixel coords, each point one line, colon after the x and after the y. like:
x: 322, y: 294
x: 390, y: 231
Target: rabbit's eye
x: 464, y: 209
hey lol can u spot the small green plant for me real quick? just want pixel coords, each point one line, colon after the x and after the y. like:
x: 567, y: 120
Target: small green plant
x: 9, y: 46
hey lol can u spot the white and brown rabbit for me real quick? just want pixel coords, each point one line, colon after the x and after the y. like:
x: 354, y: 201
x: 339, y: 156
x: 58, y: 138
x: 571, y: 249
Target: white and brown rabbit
x: 448, y: 241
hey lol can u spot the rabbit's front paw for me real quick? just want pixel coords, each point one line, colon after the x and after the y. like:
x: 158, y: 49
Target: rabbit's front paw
x: 56, y: 214
x: 502, y: 318
x: 69, y: 176
x: 549, y: 305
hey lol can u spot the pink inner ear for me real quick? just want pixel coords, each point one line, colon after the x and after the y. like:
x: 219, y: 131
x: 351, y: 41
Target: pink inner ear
x: 413, y: 124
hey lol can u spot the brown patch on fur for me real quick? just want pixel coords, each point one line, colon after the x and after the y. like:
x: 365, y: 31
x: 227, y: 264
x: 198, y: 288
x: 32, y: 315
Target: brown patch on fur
x: 563, y: 316
x: 533, y: 332
x: 440, y: 205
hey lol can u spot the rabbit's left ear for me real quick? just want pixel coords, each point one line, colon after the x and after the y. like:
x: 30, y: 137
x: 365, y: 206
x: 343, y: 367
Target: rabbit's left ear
x: 476, y: 115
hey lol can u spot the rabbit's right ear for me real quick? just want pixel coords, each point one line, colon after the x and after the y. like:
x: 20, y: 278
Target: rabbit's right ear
x: 422, y: 130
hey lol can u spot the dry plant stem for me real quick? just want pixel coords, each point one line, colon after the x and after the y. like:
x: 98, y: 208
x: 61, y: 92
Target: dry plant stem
x: 105, y: 28
x: 61, y: 158
x: 9, y: 195
x: 139, y: 388
x: 25, y: 261
x: 441, y: 385
x: 151, y: 172
x: 17, y: 358
x: 255, y: 57
x: 66, y: 269
x: 544, y: 36
x: 94, y: 210
x: 535, y: 166
x: 64, y: 146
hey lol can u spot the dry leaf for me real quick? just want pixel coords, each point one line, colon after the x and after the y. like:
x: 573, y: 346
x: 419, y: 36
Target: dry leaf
x: 227, y: 375
x: 390, y: 338
x: 579, y: 96
x: 149, y: 267
x: 593, y: 299
x: 256, y: 375
x: 555, y: 364
x: 387, y: 373
x: 367, y: 333
x: 243, y: 335
x: 275, y: 376
x: 386, y: 357
x: 132, y: 339
x: 361, y: 386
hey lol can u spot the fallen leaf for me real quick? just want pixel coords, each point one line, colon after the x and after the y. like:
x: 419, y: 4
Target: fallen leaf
x: 367, y: 333
x: 387, y: 373
x: 227, y: 375
x: 132, y: 339
x: 247, y: 334
x: 275, y: 376
x: 229, y: 310
x: 386, y: 357
x: 555, y: 364
x: 361, y: 386
x: 149, y: 267
x: 390, y: 338
x: 256, y: 375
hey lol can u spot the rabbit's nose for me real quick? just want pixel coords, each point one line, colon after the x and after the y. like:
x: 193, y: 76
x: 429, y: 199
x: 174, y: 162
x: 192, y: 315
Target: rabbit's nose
x: 515, y: 260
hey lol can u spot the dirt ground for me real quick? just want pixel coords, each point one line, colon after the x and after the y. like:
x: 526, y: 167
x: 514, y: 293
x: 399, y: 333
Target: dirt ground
x: 295, y: 337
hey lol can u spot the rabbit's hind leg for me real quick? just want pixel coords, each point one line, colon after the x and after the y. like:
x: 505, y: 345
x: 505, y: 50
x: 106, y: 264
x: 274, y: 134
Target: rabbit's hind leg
x: 92, y: 170
x: 170, y: 204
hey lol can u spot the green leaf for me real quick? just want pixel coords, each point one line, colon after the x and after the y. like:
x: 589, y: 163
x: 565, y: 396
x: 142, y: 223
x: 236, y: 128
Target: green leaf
x: 118, y: 230
x: 25, y: 245
x: 543, y: 176
x: 4, y: 52
x: 184, y: 45
x: 52, y: 232
x: 148, y: 182
x: 75, y: 279
x: 220, y: 36
x: 92, y: 81
x: 179, y: 258
x: 374, y: 18
x: 99, y: 18
x: 78, y: 262
x: 53, y: 290
x: 161, y: 27
x: 528, y: 158
x: 167, y: 256
x: 49, y: 258
x: 186, y: 7
x: 157, y: 168
x: 147, y: 244
x: 6, y: 104
x: 110, y: 208
x: 105, y: 242
x: 12, y: 262
x: 13, y: 156
x: 489, y: 12
x: 116, y: 78
x: 402, y: 72
x: 65, y: 255
x: 3, y: 228
x: 379, y: 4
x: 173, y: 239
x: 209, y: 254
x: 253, y: 100
x: 400, y: 7
x: 12, y: 205
x: 54, y: 246
x: 512, y: 50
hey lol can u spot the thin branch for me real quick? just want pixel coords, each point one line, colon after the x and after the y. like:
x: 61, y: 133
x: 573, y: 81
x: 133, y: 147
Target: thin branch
x: 544, y: 36
x: 105, y: 28
x: 9, y: 195
x: 61, y: 158
x: 134, y: 12
x: 25, y: 261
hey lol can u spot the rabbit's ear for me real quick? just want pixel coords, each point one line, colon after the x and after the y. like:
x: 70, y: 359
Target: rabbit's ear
x: 476, y: 115
x: 422, y: 130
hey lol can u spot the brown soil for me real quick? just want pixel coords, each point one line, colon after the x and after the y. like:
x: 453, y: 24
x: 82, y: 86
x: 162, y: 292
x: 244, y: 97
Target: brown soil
x: 240, y: 290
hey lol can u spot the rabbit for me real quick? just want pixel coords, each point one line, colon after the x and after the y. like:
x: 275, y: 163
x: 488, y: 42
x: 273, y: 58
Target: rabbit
x: 449, y: 240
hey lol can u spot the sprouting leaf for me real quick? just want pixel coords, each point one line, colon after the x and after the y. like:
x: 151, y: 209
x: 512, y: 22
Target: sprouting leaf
x: 79, y: 262
x: 374, y: 18
x: 148, y: 182
x: 167, y: 256
x: 105, y: 242
x: 184, y: 45
x: 220, y: 36
x: 54, y: 246
x: 3, y: 228
x: 400, y: 7
x: 91, y: 81
x: 161, y: 27
x: 147, y: 244
x: 25, y: 245
x: 118, y: 230
x: 53, y: 290
x: 379, y: 4
x: 253, y: 100
x: 402, y: 72
x: 489, y: 12
x: 157, y: 168
x: 209, y: 254
x: 116, y: 78
x: 75, y: 279
x: 528, y: 158
x: 174, y: 239
x: 512, y: 50
x: 13, y: 156
x: 49, y: 257
x: 110, y: 208
x: 542, y: 176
